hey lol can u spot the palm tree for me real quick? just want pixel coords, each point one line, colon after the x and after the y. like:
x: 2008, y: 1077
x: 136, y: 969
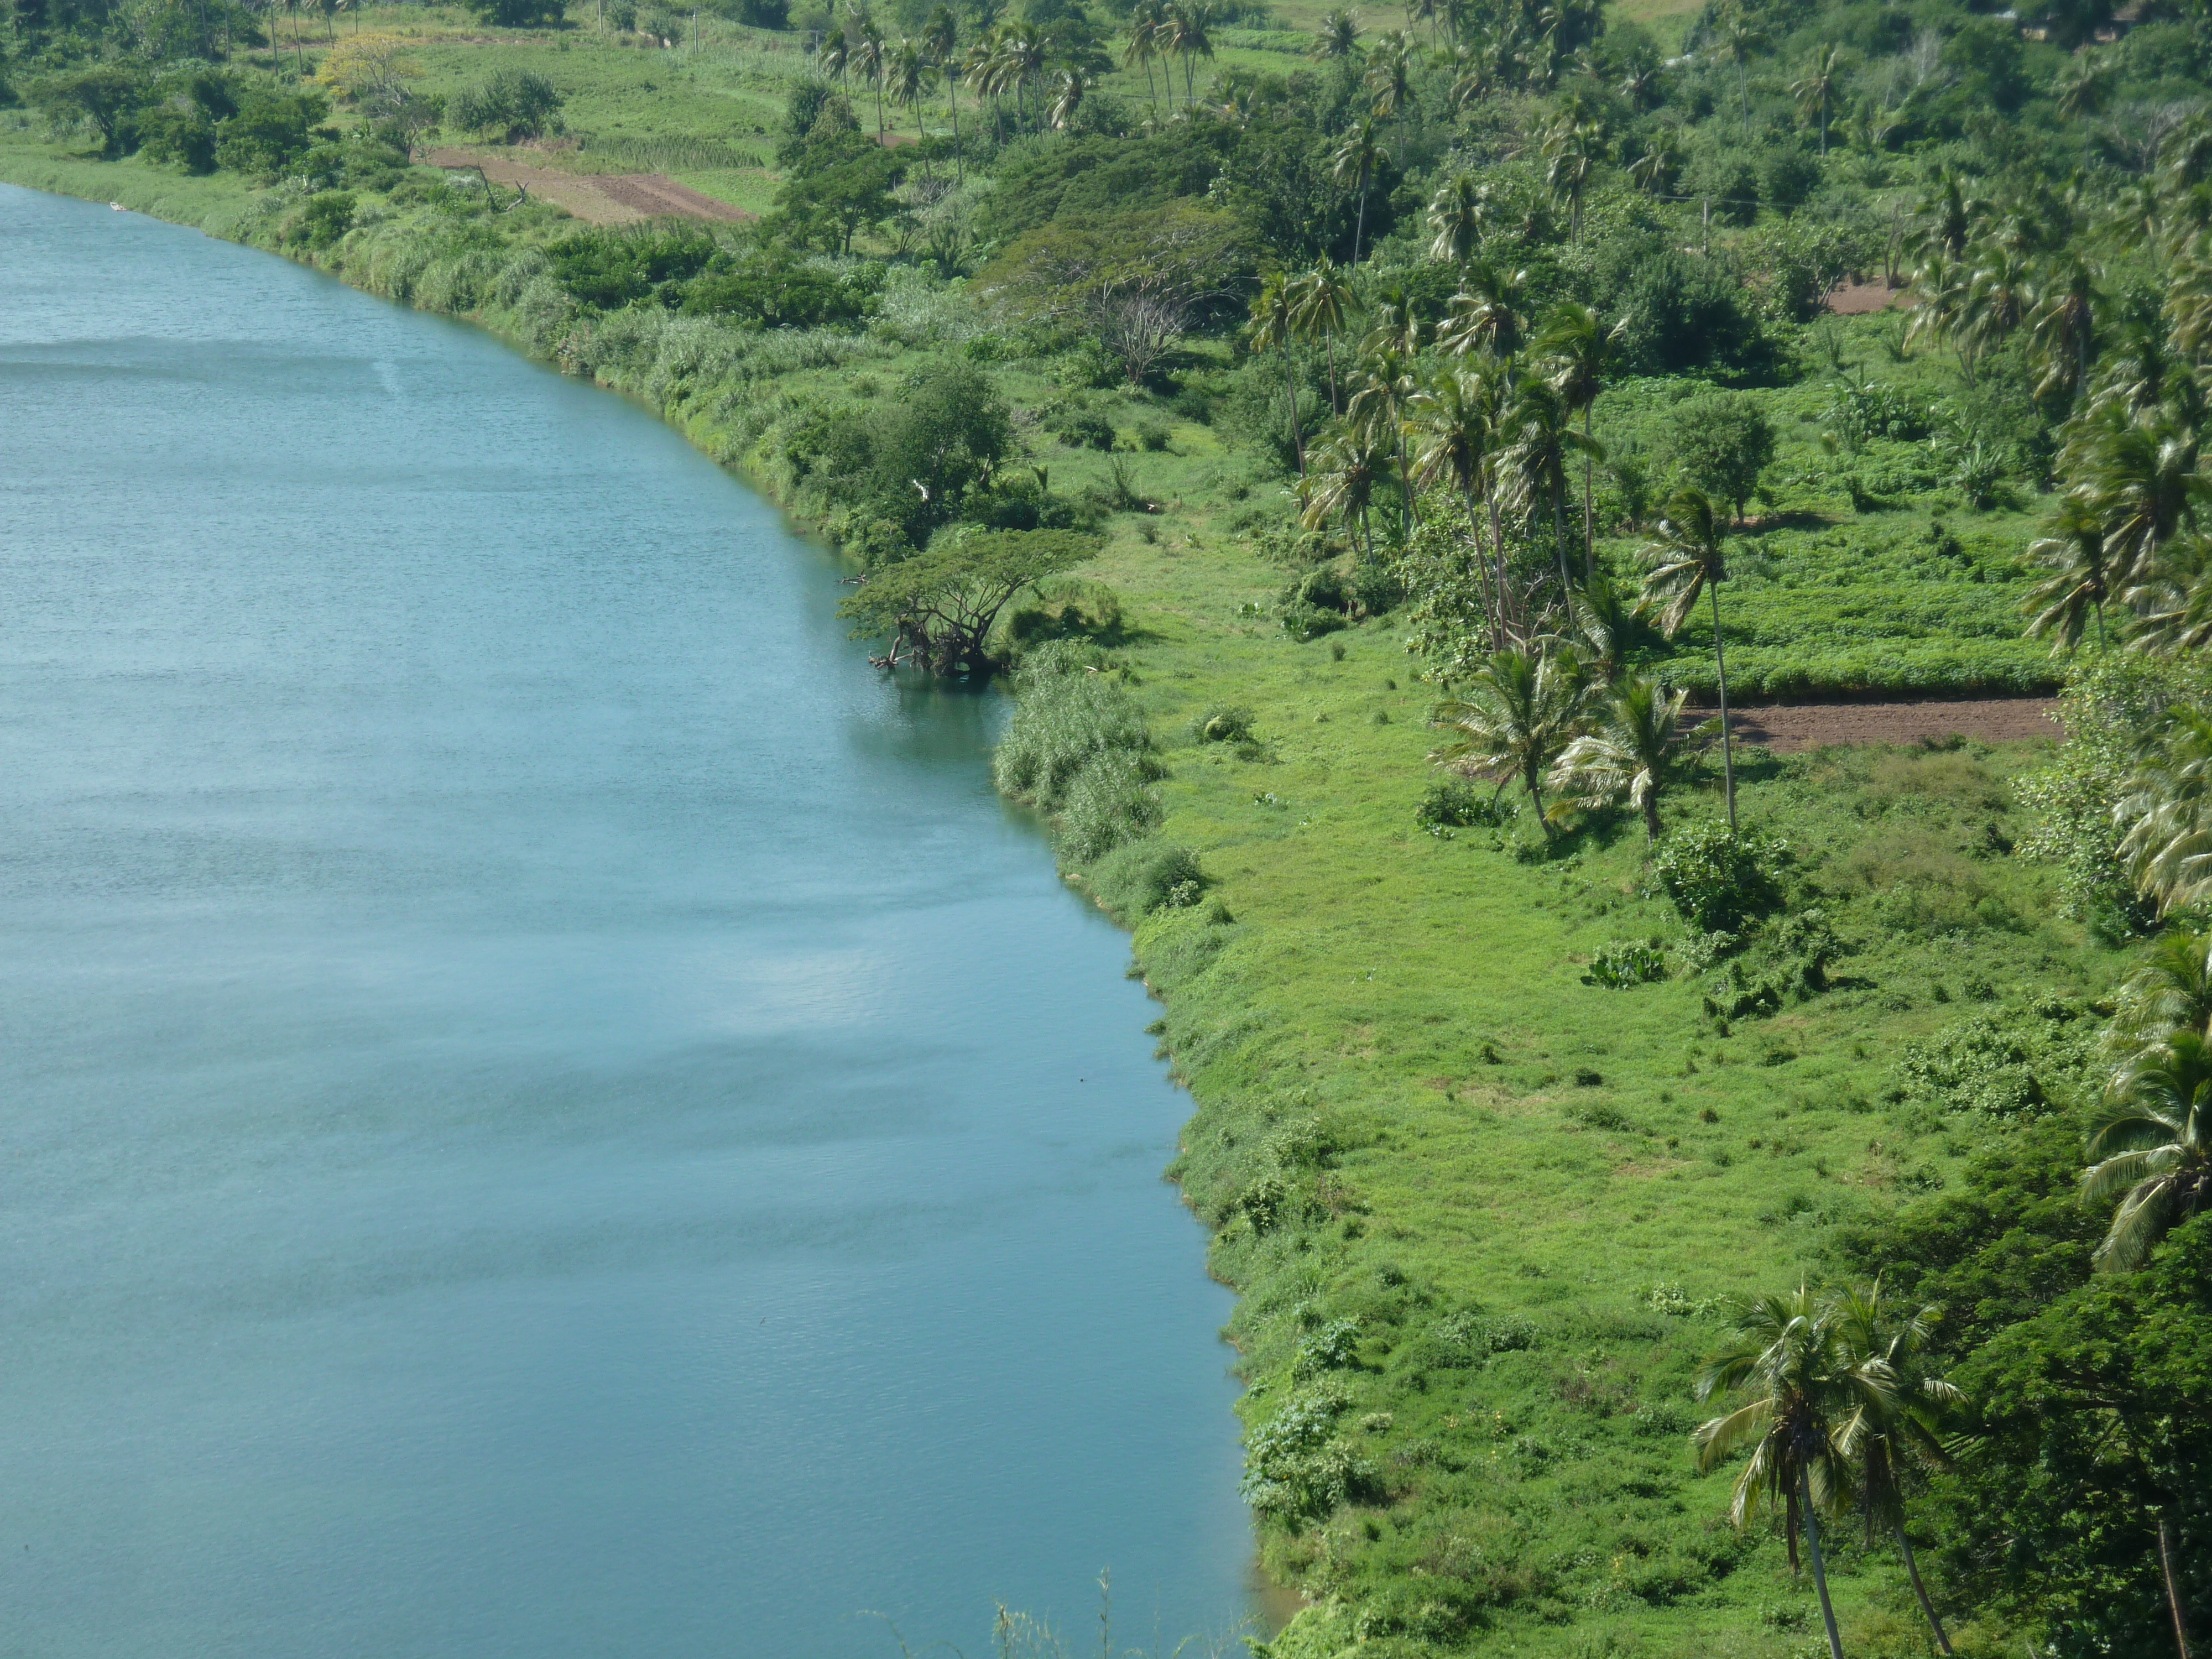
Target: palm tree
x: 1738, y: 40
x: 833, y: 57
x: 1272, y: 326
x: 1341, y: 486
x: 872, y: 57
x: 1653, y: 171
x: 2083, y: 85
x: 2073, y: 550
x: 1067, y: 95
x: 1686, y: 562
x: 1145, y: 27
x: 1380, y: 404
x: 1353, y: 163
x: 1632, y: 756
x: 1514, y: 722
x: 1604, y: 616
x: 1801, y: 1385
x: 940, y: 38
x: 1815, y: 89
x: 1487, y: 314
x: 1189, y: 22
x: 1457, y: 213
x: 1338, y: 38
x: 1321, y: 309
x: 1024, y: 53
x: 1575, y: 348
x: 2061, y: 328
x: 908, y: 76
x: 1455, y: 419
x: 1390, y: 76
x: 1543, y: 437
x: 1425, y: 11
x: 978, y: 67
x: 2167, y: 844
x: 1885, y: 1435
x: 1571, y: 153
x: 2170, y: 991
x: 2152, y: 1145
x: 2140, y: 477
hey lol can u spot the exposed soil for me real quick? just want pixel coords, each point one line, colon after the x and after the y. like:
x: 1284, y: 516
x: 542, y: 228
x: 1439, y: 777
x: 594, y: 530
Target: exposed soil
x: 1863, y: 299
x: 1785, y: 731
x: 610, y: 198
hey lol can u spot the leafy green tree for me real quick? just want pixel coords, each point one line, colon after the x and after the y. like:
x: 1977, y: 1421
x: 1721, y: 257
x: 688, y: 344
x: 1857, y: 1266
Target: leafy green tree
x: 1632, y: 756
x: 937, y: 444
x: 1686, y: 562
x: 1807, y: 1389
x: 939, y: 607
x: 522, y: 14
x: 1815, y: 89
x: 510, y: 104
x: 104, y: 97
x: 1517, y: 716
x: 271, y: 132
x: 841, y: 185
x: 1723, y: 442
x: 1353, y: 166
x: 1576, y: 351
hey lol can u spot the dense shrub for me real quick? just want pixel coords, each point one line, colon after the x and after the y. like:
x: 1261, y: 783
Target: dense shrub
x: 1144, y: 876
x: 609, y: 267
x: 1110, y: 803
x: 1626, y: 963
x: 1454, y: 803
x: 1296, y: 1466
x: 1718, y: 879
x: 512, y: 104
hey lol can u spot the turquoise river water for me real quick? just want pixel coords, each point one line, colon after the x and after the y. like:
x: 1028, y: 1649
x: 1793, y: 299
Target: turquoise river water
x: 548, y: 1109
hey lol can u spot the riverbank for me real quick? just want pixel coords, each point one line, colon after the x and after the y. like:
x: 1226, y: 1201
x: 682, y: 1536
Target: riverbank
x: 1525, y: 1192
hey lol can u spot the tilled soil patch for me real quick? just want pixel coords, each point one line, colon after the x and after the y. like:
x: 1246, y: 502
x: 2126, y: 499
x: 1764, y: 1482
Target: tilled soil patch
x: 1786, y: 731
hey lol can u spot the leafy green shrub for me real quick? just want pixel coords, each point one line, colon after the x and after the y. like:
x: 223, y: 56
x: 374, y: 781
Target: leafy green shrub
x: 271, y: 132
x: 1718, y: 879
x: 1334, y: 1347
x: 1219, y: 724
x: 609, y: 267
x: 1084, y: 428
x: 1626, y: 963
x: 1153, y: 435
x: 1066, y: 716
x: 1110, y: 802
x: 1141, y: 876
x: 512, y: 105
x: 1296, y: 1466
x: 1457, y: 804
x: 2012, y: 1065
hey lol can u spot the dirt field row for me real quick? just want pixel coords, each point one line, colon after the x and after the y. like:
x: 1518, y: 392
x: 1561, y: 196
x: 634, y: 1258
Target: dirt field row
x: 1785, y: 731
x: 612, y: 198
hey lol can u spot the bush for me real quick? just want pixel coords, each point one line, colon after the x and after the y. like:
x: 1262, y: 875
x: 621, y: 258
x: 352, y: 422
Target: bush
x: 1296, y: 1466
x: 1223, y: 725
x: 1457, y: 804
x: 514, y: 104
x: 1083, y: 428
x: 1153, y: 435
x: 1110, y: 803
x: 1334, y: 1347
x: 1141, y: 877
x: 1723, y: 443
x: 1626, y: 963
x: 522, y: 14
x: 271, y: 132
x: 1717, y: 879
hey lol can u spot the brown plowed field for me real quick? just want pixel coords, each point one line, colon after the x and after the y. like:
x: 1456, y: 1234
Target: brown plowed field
x: 609, y: 198
x: 1785, y: 731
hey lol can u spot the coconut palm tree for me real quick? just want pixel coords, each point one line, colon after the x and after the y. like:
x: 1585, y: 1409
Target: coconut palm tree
x: 2073, y: 549
x: 909, y: 75
x: 871, y: 57
x: 1454, y: 421
x: 1632, y: 756
x: 833, y: 57
x: 1145, y: 29
x: 1604, y: 617
x: 1321, y: 309
x: 1653, y: 171
x: 1488, y: 314
x: 2063, y: 328
x: 1272, y: 328
x: 1542, y: 440
x: 1518, y: 715
x: 1189, y: 23
x: 1683, y: 563
x: 1379, y: 404
x: 1353, y: 165
x: 2170, y: 991
x: 1341, y: 485
x: 2167, y: 843
x: 1390, y: 75
x: 1457, y: 214
x: 1024, y: 53
x: 1067, y: 95
x: 1337, y: 40
x: 1572, y: 150
x: 1802, y: 1384
x: 1815, y: 90
x: 1575, y: 349
x: 978, y: 67
x: 2083, y: 86
x: 1739, y: 39
x: 940, y: 38
x: 2152, y: 1141
x: 1886, y: 1435
x: 2140, y: 479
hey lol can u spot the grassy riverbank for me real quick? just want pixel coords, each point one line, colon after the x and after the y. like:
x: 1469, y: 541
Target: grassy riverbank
x: 1484, y: 1210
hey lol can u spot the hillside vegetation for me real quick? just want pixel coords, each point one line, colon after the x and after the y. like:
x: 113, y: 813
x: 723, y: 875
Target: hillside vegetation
x: 1359, y: 435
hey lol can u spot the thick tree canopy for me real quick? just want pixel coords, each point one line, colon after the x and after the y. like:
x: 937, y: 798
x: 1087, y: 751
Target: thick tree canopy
x: 939, y: 608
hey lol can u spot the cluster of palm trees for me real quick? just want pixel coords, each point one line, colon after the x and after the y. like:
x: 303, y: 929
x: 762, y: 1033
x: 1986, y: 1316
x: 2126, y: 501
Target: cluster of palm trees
x: 1564, y: 712
x: 1842, y: 1404
x: 1163, y: 32
x: 1012, y: 60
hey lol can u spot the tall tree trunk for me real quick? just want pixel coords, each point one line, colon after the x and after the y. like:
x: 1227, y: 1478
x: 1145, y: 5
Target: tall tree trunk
x: 1912, y: 1571
x: 2172, y: 1586
x: 1728, y: 754
x: 1560, y: 533
x: 1589, y: 485
x: 1651, y: 833
x: 1291, y: 384
x: 1482, y: 570
x: 953, y: 95
x: 1819, y: 1568
x: 1335, y: 407
x: 1359, y: 228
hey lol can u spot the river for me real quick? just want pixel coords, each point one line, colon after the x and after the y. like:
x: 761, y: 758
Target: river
x: 548, y: 1109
